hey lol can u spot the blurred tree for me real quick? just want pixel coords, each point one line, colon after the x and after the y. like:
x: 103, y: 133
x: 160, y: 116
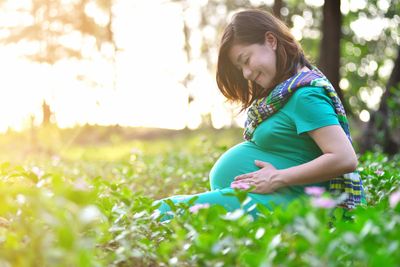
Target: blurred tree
x: 277, y: 7
x: 371, y: 38
x: 106, y: 6
x: 48, y: 26
x: 329, y: 57
x: 46, y: 114
x: 53, y: 30
x: 188, y: 52
x: 384, y: 123
x: 369, y: 44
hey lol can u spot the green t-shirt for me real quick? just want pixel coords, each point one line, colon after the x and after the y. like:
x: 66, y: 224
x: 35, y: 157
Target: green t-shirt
x: 281, y: 140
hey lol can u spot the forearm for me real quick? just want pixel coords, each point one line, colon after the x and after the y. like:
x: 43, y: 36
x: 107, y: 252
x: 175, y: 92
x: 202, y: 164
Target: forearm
x: 321, y: 169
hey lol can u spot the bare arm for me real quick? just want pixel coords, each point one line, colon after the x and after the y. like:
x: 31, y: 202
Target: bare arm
x: 338, y: 158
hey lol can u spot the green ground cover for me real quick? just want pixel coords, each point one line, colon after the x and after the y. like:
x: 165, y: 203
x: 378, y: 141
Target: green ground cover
x: 68, y: 203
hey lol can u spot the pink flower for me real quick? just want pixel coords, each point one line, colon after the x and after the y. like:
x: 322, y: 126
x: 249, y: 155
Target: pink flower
x: 315, y: 191
x: 197, y: 207
x: 394, y: 198
x: 37, y: 171
x: 240, y: 185
x: 81, y: 184
x: 379, y: 172
x: 323, y: 202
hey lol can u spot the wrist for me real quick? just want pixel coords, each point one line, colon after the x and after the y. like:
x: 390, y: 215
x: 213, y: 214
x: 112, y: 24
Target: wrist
x: 279, y: 179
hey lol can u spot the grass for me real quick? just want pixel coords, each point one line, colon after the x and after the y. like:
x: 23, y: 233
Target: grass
x: 83, y: 197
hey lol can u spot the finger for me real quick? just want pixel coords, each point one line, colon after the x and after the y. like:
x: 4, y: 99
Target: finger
x: 263, y: 164
x: 241, y: 185
x: 243, y: 176
x: 257, y: 181
x: 258, y: 191
x: 242, y: 181
x: 247, y: 181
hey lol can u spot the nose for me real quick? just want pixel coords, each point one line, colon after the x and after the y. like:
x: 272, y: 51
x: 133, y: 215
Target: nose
x: 246, y: 73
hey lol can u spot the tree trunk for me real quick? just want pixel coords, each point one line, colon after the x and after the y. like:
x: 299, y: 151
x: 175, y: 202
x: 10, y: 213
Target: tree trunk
x: 379, y: 121
x: 277, y: 8
x: 46, y: 113
x: 329, y: 61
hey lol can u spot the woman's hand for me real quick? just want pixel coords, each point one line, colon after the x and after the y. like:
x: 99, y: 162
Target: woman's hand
x: 264, y: 180
x: 338, y: 157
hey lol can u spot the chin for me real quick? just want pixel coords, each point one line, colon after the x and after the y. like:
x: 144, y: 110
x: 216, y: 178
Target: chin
x: 263, y: 85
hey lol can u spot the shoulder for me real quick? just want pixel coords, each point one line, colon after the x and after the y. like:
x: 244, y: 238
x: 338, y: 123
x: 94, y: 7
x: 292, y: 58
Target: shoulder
x: 309, y: 90
x: 311, y: 108
x: 310, y: 97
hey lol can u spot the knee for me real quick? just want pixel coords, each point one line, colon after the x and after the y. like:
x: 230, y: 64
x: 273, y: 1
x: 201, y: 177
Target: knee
x: 163, y: 207
x: 218, y: 183
x: 163, y: 210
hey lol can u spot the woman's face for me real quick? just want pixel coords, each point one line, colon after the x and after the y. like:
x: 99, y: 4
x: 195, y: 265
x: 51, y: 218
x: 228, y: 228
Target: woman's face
x: 256, y: 61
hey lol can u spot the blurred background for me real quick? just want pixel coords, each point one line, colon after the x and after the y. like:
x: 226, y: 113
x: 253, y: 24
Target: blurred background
x: 91, y: 70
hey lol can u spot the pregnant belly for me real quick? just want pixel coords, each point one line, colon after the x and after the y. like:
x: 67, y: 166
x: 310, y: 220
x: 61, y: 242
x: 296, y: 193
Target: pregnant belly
x: 239, y: 160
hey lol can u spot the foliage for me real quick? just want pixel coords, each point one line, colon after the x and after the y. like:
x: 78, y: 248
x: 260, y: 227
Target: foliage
x: 367, y: 58
x: 46, y: 25
x: 76, y: 209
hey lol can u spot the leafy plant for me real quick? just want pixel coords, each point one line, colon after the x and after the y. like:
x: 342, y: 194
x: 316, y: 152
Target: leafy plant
x: 75, y: 209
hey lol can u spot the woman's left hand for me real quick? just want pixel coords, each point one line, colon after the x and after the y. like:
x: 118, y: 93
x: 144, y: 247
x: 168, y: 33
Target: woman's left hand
x: 264, y: 180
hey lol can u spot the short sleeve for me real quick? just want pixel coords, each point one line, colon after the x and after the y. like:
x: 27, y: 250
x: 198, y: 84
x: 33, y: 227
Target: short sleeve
x: 312, y: 109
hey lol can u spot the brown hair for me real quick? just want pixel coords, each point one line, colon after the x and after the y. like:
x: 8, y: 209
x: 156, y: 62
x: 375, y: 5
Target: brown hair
x: 249, y: 27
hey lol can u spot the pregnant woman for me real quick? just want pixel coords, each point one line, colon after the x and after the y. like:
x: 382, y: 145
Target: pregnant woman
x: 296, y: 133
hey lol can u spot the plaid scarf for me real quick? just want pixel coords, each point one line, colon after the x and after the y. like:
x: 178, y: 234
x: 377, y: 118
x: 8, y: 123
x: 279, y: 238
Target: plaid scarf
x: 349, y: 186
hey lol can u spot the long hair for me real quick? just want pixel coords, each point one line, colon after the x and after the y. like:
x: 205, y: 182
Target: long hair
x: 246, y: 28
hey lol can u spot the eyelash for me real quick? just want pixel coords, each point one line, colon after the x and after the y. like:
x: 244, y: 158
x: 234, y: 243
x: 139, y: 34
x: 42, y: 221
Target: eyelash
x: 246, y: 62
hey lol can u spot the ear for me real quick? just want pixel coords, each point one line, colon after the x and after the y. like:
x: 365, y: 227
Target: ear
x: 271, y: 40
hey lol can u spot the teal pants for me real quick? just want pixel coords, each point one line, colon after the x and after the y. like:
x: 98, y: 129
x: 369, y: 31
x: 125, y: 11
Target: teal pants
x: 231, y: 203
x: 239, y: 160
